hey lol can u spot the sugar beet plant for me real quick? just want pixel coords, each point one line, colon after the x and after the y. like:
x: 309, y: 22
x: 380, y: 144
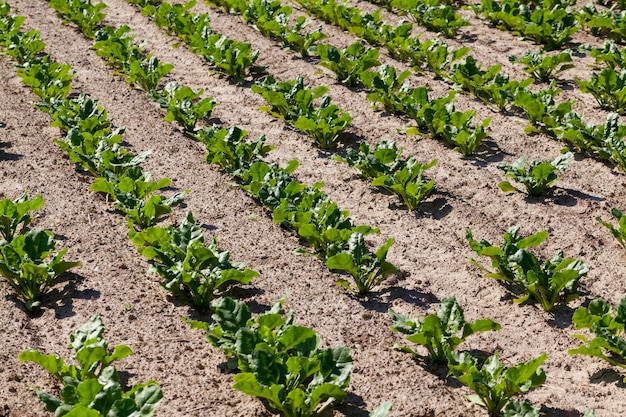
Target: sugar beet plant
x: 279, y: 362
x: 494, y: 384
x: 27, y: 258
x: 619, y: 230
x: 293, y: 102
x: 607, y: 327
x: 384, y: 167
x: 434, y: 16
x: 551, y: 283
x: 537, y: 177
x: 92, y: 387
x: 547, y: 22
x: 349, y: 63
x: 191, y: 270
x: 544, y: 67
x: 439, y: 333
x: 273, y: 19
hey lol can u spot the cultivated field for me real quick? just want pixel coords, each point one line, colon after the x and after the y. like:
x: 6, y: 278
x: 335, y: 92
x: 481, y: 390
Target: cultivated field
x: 430, y: 249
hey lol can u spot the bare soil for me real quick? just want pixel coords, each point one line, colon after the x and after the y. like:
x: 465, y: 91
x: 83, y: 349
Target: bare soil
x: 429, y: 244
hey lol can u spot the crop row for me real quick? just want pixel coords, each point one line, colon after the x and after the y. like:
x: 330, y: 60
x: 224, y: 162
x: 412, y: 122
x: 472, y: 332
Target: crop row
x: 246, y: 379
x: 191, y: 270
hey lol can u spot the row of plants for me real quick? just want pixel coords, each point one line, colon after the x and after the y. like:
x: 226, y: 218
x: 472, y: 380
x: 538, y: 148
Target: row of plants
x: 432, y: 54
x: 192, y: 271
x: 189, y: 269
x: 306, y: 210
x: 553, y: 22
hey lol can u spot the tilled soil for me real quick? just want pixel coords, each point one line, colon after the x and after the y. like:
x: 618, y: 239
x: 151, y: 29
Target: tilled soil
x: 429, y: 247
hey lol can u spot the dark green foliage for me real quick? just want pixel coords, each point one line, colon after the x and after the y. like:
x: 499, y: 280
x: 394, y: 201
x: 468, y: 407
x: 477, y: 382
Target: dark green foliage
x: 608, y: 88
x: 83, y: 13
x: 191, y: 270
x: 554, y: 282
x: 619, y: 231
x: 29, y: 265
x: 434, y: 16
x: 544, y: 67
x: 384, y: 168
x: 607, y: 326
x: 294, y: 102
x: 494, y: 384
x: 92, y: 388
x: 349, y: 63
x: 184, y: 106
x: 545, y: 22
x: 15, y: 215
x: 279, y: 362
x: 537, y: 177
x: 441, y: 332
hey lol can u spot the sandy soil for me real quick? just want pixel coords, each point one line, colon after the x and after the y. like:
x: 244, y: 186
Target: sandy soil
x: 429, y: 246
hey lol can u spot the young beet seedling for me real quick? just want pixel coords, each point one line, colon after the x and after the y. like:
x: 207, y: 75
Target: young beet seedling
x: 537, y: 177
x: 92, y: 388
x: 278, y: 362
x: 495, y: 384
x: 441, y: 332
x: 15, y: 215
x: 608, y: 329
x: 553, y: 282
x: 28, y: 265
x: 620, y: 231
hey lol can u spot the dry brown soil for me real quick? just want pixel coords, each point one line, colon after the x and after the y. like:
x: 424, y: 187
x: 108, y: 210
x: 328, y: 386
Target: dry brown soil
x: 429, y: 244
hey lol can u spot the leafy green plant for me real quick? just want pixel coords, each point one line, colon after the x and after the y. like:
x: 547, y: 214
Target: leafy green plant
x: 184, y: 106
x: 132, y: 198
x: 147, y: 73
x: 294, y: 102
x: 384, y: 168
x: 48, y: 80
x: 541, y: 109
x: 537, y: 177
x: 15, y: 215
x: 544, y: 67
x: 618, y: 232
x: 271, y: 18
x: 83, y: 13
x: 546, y: 24
x: 23, y: 47
x: 608, y: 88
x: 606, y: 24
x: 441, y: 332
x: 607, y: 327
x: 30, y: 267
x: 191, y: 270
x: 366, y: 268
x: 494, y: 384
x: 233, y: 58
x: 502, y: 91
x: 228, y: 149
x: 434, y: 16
x: 440, y: 56
x: 348, y: 63
x: 279, y: 362
x: 92, y: 388
x: 609, y: 54
x: 552, y: 283
x: 469, y: 75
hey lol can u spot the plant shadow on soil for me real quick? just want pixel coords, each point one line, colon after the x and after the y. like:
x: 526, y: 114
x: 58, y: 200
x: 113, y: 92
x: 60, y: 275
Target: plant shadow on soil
x: 608, y: 376
x: 7, y: 156
x: 60, y: 298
